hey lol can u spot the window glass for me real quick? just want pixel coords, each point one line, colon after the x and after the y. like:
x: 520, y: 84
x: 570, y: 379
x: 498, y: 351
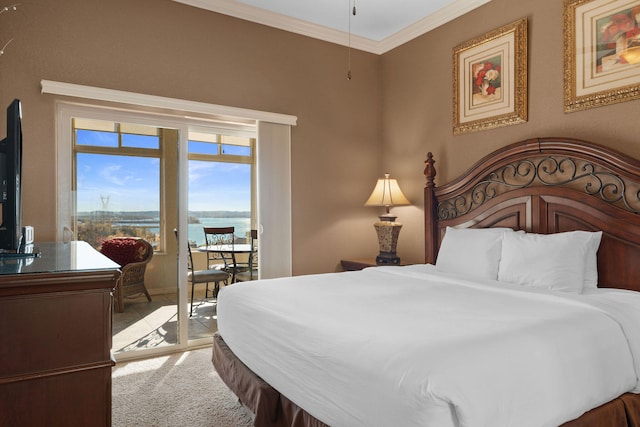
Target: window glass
x: 219, y: 196
x: 96, y: 138
x: 197, y: 147
x: 236, y: 150
x: 117, y: 196
x: 117, y: 186
x: 140, y: 141
x: 118, y: 181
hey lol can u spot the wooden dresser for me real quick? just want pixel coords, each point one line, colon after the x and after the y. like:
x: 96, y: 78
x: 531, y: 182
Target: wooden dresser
x: 55, y: 337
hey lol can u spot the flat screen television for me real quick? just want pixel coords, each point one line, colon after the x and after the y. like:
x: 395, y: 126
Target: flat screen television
x: 11, y: 239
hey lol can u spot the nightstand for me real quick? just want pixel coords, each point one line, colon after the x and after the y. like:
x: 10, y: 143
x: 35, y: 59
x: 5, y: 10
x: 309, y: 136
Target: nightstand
x: 360, y: 263
x: 357, y: 264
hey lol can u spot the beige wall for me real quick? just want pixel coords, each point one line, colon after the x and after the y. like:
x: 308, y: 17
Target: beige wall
x: 164, y: 48
x: 417, y: 104
x: 397, y: 107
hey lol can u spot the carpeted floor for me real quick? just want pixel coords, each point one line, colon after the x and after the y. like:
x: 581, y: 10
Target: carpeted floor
x: 182, y: 389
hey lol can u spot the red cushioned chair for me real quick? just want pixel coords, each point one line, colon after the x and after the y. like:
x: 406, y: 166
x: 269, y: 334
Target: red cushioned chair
x: 132, y: 254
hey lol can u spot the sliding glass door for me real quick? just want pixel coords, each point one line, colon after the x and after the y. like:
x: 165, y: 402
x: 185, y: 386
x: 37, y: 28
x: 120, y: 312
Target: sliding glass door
x: 162, y: 178
x: 125, y: 184
x: 220, y: 193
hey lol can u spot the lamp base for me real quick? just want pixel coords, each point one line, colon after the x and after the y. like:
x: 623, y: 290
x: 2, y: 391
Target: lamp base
x: 387, y: 258
x: 388, y: 232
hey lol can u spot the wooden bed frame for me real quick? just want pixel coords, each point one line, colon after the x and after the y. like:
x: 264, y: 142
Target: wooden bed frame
x: 542, y: 185
x: 547, y: 185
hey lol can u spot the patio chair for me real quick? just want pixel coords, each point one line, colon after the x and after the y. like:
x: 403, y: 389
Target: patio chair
x: 132, y: 254
x: 221, y: 255
x: 251, y: 273
x: 205, y: 276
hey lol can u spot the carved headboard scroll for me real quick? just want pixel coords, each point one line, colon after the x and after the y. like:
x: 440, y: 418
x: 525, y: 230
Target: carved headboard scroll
x: 546, y: 185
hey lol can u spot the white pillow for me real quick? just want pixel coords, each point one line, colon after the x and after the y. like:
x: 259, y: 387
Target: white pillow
x: 591, y: 267
x: 551, y: 261
x: 473, y: 252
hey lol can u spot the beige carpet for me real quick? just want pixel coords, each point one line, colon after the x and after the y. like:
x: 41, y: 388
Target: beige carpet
x: 182, y: 389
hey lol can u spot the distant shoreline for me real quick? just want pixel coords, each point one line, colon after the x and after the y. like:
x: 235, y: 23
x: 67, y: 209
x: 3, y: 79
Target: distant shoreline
x: 156, y: 214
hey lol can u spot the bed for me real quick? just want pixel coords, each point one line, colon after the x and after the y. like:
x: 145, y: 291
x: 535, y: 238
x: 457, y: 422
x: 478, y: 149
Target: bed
x: 501, y: 341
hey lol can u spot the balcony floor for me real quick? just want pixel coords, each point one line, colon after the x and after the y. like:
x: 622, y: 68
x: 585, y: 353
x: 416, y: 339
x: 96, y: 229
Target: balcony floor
x: 154, y: 324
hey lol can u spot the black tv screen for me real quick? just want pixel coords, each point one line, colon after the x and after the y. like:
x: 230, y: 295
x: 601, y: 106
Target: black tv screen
x: 10, y: 168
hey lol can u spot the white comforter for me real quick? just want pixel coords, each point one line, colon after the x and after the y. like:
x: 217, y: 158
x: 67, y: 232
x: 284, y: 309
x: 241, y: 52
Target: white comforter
x: 409, y: 346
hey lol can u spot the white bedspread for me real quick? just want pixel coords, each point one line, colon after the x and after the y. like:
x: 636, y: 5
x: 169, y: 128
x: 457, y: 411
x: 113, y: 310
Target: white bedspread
x: 409, y: 346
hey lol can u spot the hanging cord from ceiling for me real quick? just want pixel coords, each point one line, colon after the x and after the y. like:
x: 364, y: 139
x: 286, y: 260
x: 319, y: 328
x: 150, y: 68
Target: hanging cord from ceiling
x: 351, y: 11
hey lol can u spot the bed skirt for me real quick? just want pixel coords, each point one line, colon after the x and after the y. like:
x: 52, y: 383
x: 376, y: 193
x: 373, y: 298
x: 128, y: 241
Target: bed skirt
x: 271, y: 409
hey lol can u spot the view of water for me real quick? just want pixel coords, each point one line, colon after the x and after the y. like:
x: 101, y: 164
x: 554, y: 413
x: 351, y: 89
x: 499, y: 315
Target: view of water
x: 196, y: 232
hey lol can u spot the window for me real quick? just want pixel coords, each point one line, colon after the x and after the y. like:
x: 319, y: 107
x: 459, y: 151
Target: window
x: 221, y: 184
x: 273, y: 131
x: 118, y: 172
x: 118, y: 175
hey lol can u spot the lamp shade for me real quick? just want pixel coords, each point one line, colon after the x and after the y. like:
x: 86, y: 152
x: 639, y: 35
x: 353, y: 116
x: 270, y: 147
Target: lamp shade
x: 387, y: 193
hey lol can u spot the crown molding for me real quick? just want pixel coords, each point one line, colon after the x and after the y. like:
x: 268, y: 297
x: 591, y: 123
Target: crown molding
x: 430, y: 22
x: 282, y: 22
x: 261, y: 16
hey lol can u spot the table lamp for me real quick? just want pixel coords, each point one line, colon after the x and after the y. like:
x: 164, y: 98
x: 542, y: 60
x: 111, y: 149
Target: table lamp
x: 387, y: 193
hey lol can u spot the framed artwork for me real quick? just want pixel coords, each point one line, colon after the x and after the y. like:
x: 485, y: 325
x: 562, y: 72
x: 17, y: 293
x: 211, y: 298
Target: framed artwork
x: 601, y: 52
x: 490, y: 80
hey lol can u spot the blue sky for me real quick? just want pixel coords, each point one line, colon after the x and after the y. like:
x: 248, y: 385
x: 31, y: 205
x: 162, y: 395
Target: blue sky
x: 132, y: 184
x: 219, y: 186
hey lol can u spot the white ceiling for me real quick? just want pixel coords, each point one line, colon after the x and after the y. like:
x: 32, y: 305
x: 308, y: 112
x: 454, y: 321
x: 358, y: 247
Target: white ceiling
x: 377, y: 27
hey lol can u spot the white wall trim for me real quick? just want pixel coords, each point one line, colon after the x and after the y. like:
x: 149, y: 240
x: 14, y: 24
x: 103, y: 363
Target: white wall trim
x: 111, y: 95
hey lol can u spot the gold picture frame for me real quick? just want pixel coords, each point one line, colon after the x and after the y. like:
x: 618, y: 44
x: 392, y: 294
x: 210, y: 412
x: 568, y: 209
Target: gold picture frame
x: 601, y: 52
x: 490, y: 80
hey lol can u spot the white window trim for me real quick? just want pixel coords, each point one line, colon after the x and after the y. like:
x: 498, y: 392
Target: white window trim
x: 188, y: 107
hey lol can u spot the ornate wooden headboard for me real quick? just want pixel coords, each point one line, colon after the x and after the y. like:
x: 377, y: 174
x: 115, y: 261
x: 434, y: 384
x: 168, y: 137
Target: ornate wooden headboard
x: 547, y: 185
